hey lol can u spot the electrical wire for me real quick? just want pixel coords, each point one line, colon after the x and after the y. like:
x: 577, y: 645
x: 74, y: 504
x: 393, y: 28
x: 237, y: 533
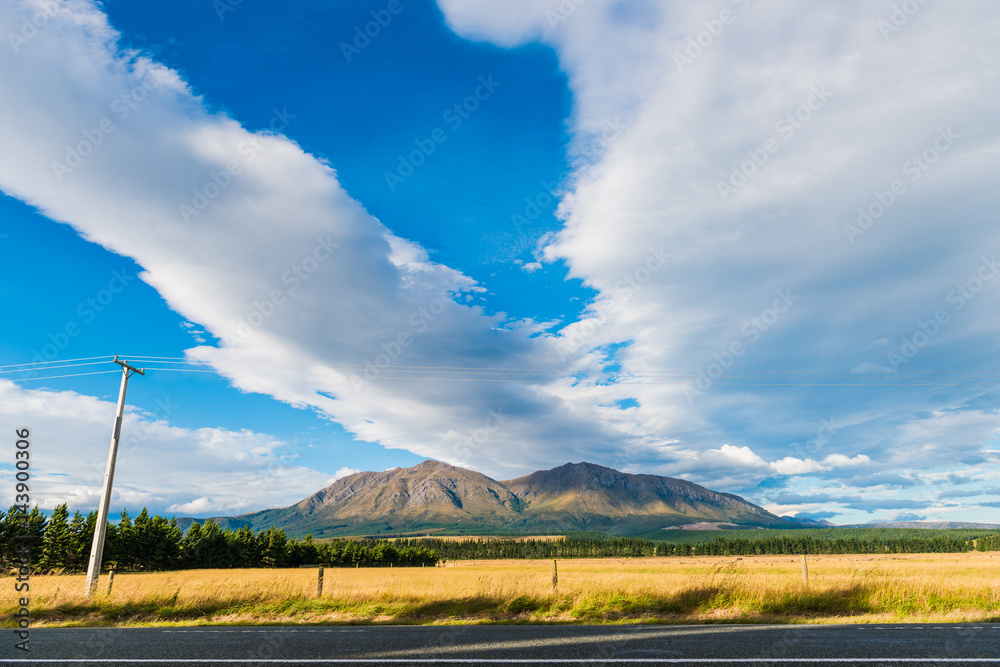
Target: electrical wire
x: 55, y: 377
x: 58, y: 361
x: 49, y: 368
x: 538, y: 375
x: 401, y: 368
x: 628, y: 381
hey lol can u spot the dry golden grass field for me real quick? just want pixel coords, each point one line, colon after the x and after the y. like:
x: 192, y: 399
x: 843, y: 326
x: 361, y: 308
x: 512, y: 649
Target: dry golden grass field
x: 753, y: 589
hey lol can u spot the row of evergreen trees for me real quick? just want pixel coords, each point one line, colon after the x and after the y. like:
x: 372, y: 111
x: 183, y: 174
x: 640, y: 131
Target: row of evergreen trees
x: 61, y: 542
x: 988, y: 543
x: 623, y: 547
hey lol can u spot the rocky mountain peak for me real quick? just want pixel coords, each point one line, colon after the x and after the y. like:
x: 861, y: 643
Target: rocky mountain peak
x: 573, y: 496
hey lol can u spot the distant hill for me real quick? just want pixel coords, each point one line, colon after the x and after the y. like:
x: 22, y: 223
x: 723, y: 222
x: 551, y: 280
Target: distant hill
x: 433, y: 496
x: 225, y: 522
x: 810, y: 523
x: 930, y: 525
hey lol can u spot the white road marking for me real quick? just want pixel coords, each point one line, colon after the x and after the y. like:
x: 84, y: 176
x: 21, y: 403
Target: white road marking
x: 494, y: 661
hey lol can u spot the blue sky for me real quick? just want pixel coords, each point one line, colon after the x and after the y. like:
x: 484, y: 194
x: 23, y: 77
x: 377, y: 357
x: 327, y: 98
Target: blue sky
x: 749, y: 244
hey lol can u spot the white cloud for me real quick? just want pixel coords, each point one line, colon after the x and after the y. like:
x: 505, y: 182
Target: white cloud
x: 165, y: 467
x: 739, y: 460
x: 841, y: 461
x: 256, y: 243
x: 740, y: 456
x: 838, y: 111
x: 793, y: 466
x: 198, y: 506
x: 343, y: 472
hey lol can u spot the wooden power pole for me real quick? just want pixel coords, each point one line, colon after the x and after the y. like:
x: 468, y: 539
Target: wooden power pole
x: 101, y: 529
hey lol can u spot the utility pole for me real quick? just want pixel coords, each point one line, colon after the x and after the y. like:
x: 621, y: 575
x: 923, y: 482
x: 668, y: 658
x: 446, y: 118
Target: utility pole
x: 97, y: 550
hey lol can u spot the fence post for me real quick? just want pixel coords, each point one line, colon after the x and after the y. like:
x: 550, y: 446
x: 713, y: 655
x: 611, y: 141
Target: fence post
x: 111, y: 579
x: 555, y: 577
x: 319, y: 583
x: 805, y: 572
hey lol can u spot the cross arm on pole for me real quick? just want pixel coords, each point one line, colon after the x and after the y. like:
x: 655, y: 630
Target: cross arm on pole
x: 126, y: 367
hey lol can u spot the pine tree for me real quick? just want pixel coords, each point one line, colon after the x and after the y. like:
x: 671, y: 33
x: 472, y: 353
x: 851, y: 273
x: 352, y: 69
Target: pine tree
x: 155, y: 542
x: 57, y: 540
x: 169, y: 536
x: 79, y: 543
x: 275, y: 549
x: 191, y: 547
x: 121, y: 555
x: 214, y: 548
x: 247, y: 548
x: 33, y: 526
x: 10, y: 527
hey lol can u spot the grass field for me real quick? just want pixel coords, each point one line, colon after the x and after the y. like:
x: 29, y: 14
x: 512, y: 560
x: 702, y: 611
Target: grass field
x: 844, y: 588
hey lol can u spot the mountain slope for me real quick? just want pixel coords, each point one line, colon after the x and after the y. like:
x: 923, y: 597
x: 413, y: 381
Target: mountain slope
x: 435, y: 495
x: 431, y: 494
x: 585, y: 496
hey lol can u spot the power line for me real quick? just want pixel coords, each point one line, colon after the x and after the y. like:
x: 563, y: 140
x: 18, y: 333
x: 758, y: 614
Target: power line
x: 56, y: 377
x: 401, y: 368
x: 50, y: 368
x: 949, y: 378
x: 56, y: 361
x: 631, y: 380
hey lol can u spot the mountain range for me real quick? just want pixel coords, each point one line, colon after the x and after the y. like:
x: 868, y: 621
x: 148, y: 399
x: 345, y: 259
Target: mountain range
x: 434, y: 496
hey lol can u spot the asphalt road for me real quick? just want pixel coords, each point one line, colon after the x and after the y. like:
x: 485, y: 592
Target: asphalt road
x: 514, y: 644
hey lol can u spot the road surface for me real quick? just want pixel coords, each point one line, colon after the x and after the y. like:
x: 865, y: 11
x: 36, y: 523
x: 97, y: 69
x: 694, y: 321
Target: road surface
x: 735, y: 645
